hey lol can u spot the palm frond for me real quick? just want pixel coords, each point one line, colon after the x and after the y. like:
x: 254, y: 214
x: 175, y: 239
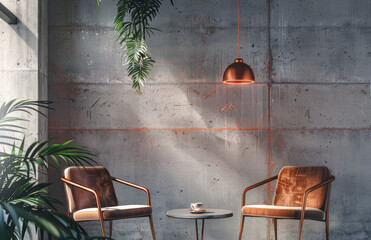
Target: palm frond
x: 131, y: 23
x: 7, y: 123
x: 23, y: 199
x: 54, y: 224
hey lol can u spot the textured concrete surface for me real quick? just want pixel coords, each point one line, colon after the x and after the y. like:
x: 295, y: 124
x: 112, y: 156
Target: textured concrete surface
x: 24, y: 64
x: 23, y: 59
x: 189, y: 138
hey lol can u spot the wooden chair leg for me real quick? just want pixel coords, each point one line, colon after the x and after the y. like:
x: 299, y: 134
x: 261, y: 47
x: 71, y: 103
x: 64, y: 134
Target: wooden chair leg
x: 327, y: 229
x: 152, y: 227
x: 300, y: 227
x: 110, y: 229
x: 275, y: 228
x: 102, y: 226
x: 241, y: 228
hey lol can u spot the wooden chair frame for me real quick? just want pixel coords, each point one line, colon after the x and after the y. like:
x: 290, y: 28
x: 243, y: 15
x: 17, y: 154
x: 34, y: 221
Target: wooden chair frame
x: 100, y: 212
x: 307, y: 192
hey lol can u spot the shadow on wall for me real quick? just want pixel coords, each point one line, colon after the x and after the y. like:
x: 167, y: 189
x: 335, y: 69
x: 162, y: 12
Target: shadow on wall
x: 169, y: 162
x: 28, y: 36
x: 185, y: 141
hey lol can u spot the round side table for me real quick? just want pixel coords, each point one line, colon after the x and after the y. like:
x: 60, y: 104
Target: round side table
x: 209, y: 214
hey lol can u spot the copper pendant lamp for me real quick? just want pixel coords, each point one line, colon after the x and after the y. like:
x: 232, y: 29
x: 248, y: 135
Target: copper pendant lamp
x: 238, y: 72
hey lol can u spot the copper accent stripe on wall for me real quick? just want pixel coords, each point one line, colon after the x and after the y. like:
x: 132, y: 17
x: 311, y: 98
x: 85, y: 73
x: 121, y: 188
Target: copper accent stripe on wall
x: 206, y: 129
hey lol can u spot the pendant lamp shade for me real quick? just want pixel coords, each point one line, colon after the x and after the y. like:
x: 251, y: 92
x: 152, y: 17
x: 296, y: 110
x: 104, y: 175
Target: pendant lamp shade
x: 238, y: 73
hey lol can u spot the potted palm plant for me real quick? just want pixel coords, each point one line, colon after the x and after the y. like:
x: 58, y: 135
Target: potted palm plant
x: 23, y: 199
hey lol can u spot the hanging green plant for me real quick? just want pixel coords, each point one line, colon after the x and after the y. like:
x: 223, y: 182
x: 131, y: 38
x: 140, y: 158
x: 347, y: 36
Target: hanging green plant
x: 131, y: 23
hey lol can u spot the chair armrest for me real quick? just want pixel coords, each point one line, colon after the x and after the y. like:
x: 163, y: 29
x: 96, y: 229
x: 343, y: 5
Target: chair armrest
x: 254, y: 186
x: 135, y: 186
x: 309, y: 190
x: 329, y: 180
x: 86, y: 189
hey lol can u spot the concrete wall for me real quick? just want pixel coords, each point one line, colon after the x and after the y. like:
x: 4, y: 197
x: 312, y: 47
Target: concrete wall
x: 24, y: 64
x: 23, y: 59
x: 190, y: 138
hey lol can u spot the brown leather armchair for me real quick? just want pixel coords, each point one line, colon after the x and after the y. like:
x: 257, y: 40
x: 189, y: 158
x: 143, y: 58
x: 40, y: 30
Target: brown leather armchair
x: 301, y: 193
x: 91, y: 196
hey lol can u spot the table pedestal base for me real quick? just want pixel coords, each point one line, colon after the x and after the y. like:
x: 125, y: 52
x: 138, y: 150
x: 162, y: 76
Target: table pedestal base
x: 202, y: 230
x: 208, y: 214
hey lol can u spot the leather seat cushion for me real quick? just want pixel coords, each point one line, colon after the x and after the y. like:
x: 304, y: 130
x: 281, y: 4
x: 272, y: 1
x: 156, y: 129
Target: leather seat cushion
x: 111, y: 213
x: 282, y: 212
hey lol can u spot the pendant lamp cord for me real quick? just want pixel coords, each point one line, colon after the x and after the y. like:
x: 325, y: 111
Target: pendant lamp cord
x: 238, y: 15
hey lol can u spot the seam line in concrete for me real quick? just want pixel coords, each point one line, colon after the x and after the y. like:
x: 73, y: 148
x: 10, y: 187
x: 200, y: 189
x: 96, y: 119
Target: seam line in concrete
x: 108, y: 28
x: 18, y: 70
x: 154, y: 129
x: 321, y: 83
x: 205, y: 83
x: 209, y: 129
x: 269, y: 145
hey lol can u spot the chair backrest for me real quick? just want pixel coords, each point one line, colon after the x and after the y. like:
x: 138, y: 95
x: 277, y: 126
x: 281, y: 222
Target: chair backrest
x: 97, y: 178
x: 294, y: 181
